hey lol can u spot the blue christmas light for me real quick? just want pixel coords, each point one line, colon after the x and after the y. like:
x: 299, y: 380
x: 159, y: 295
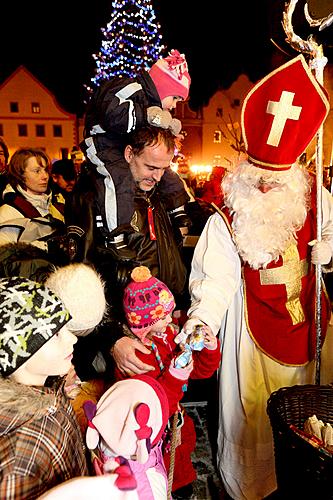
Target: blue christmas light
x: 132, y: 40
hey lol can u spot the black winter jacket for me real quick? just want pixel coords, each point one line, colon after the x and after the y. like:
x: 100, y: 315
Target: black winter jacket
x: 87, y: 227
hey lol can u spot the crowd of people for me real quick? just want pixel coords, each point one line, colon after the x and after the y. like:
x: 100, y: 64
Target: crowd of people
x: 103, y: 322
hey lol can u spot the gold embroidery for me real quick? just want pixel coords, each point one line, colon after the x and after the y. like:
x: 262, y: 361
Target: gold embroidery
x: 282, y: 110
x: 289, y: 274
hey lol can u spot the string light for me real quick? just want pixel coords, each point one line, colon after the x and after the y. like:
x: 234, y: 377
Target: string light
x: 132, y: 41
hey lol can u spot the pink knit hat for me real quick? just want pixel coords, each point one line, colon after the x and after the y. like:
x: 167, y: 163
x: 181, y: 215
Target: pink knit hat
x: 170, y: 76
x: 146, y: 301
x: 130, y: 417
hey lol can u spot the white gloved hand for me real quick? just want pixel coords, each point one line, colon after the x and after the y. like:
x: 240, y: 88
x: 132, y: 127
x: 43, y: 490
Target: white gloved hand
x: 175, y: 126
x: 162, y: 118
x: 321, y: 252
x: 159, y: 117
x: 187, y: 329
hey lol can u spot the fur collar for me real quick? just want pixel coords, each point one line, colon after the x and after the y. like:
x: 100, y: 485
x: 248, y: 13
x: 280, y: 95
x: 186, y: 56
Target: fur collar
x: 20, y: 403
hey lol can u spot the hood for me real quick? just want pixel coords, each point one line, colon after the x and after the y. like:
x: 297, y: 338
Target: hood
x: 21, y: 403
x: 23, y: 259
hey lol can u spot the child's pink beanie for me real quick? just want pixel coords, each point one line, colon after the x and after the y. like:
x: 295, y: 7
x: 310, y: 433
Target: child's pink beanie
x: 170, y: 76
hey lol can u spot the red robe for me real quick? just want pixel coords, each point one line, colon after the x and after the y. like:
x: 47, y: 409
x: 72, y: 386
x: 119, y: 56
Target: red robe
x: 284, y: 294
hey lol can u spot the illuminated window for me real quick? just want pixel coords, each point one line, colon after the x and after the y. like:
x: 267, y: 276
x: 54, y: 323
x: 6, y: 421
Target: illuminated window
x: 14, y: 107
x: 217, y: 160
x: 217, y: 136
x: 40, y: 130
x: 57, y: 131
x: 35, y: 107
x: 22, y: 130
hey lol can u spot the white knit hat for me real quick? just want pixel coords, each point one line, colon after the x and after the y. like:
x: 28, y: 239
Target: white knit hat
x: 82, y: 291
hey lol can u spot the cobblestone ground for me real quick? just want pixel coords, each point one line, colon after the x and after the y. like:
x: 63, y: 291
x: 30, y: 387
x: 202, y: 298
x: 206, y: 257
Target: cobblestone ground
x: 208, y: 485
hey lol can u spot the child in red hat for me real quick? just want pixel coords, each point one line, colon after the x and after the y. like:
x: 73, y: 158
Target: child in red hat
x: 148, y: 305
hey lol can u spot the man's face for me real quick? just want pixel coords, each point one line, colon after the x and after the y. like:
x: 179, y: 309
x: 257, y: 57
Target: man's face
x: 66, y: 185
x: 265, y: 187
x: 148, y: 167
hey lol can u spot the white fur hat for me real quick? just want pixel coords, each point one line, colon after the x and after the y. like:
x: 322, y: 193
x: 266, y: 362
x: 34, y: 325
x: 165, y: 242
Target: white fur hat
x: 82, y: 291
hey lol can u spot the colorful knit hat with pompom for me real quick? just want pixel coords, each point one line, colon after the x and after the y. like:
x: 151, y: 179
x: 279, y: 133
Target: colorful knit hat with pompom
x: 146, y: 301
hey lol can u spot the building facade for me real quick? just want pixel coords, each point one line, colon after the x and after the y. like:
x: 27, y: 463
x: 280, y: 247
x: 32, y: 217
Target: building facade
x: 31, y: 117
x: 213, y: 133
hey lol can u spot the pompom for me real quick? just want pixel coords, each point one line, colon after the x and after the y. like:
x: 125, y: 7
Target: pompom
x: 176, y: 61
x: 140, y: 274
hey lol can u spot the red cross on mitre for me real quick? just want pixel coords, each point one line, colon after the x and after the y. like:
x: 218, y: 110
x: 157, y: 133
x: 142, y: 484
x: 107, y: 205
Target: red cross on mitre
x: 281, y: 114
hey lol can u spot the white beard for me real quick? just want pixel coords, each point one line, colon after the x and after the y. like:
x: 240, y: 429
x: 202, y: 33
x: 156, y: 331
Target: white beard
x: 265, y: 224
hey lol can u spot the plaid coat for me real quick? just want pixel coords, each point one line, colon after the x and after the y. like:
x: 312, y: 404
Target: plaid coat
x: 40, y: 440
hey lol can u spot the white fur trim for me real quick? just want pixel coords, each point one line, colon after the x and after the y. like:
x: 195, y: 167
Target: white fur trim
x: 81, y: 289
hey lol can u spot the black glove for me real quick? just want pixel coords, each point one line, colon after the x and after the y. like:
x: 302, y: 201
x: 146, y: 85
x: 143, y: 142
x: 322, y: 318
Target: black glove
x: 58, y: 249
x: 180, y: 218
x: 123, y: 271
x: 116, y: 243
x: 119, y: 249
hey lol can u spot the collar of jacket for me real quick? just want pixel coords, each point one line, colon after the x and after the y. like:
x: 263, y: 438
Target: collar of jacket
x: 34, y: 402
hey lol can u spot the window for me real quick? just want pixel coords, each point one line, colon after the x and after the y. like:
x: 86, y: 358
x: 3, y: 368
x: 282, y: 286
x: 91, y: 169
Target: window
x: 35, y: 107
x: 57, y: 131
x: 217, y: 160
x: 1, y: 129
x: 22, y: 130
x: 219, y: 112
x: 217, y: 136
x: 236, y: 103
x: 40, y: 130
x: 14, y: 107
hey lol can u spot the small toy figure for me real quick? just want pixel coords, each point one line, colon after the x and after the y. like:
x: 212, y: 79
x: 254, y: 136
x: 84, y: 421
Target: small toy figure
x: 195, y: 342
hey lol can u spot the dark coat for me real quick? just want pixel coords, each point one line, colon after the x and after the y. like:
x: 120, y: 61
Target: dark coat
x: 87, y: 227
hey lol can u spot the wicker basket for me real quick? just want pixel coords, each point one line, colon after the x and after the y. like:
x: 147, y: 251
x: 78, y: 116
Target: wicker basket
x: 302, y: 471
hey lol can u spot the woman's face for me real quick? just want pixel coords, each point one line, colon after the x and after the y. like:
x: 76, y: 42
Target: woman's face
x: 36, y: 177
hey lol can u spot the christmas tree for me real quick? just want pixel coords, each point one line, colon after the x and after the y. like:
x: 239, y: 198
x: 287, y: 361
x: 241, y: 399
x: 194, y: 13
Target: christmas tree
x: 132, y: 40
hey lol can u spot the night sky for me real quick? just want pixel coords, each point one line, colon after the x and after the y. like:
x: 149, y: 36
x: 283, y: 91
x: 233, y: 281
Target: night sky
x: 55, y: 41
